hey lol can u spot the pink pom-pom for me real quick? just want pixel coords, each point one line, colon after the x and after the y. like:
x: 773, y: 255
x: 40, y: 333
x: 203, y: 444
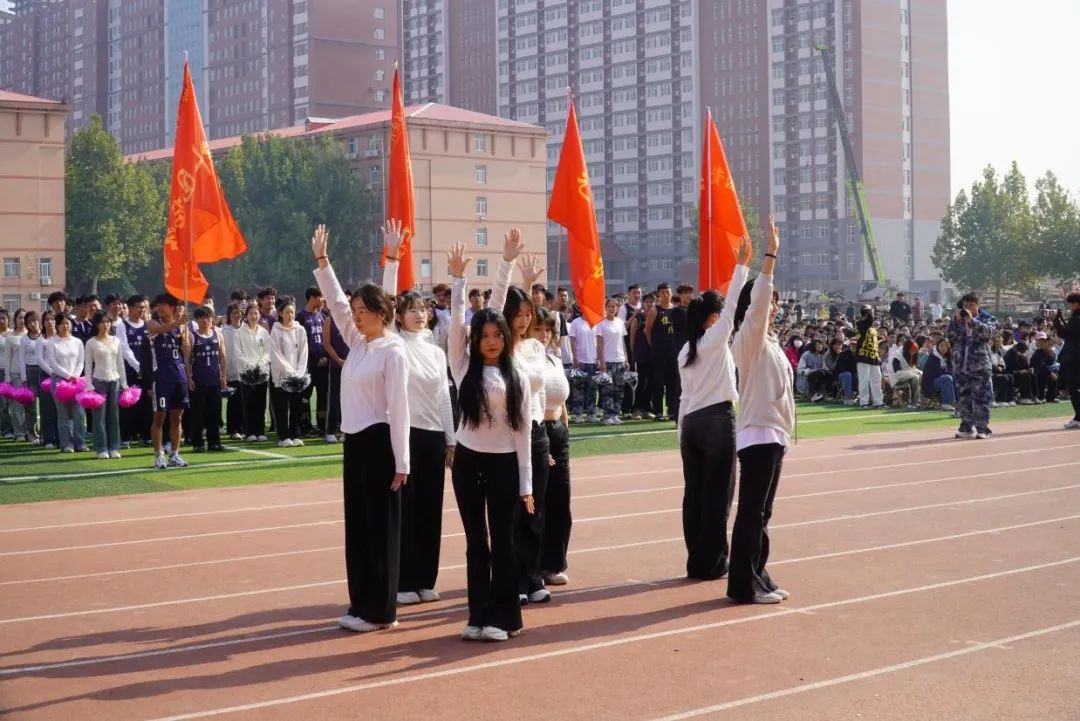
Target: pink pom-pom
x: 90, y: 400
x: 130, y: 396
x: 46, y: 385
x: 80, y: 383
x: 66, y: 391
x: 23, y: 396
x: 6, y: 389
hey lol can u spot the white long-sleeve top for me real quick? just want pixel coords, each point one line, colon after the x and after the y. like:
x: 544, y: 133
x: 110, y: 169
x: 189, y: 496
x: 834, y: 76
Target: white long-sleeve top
x: 26, y: 353
x: 288, y: 352
x: 104, y: 361
x: 429, y: 386
x: 495, y: 436
x: 232, y: 368
x: 42, y: 342
x: 529, y: 354
x: 65, y: 356
x: 375, y: 377
x: 766, y: 398
x: 711, y: 379
x: 252, y: 349
x: 4, y: 352
x: 9, y: 347
x: 121, y: 328
x: 556, y: 385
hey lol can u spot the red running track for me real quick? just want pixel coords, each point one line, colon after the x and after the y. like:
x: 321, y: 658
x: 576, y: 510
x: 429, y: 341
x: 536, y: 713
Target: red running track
x: 930, y: 579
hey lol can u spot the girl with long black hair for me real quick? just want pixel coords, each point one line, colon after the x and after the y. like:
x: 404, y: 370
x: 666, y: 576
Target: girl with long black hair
x: 375, y: 421
x: 707, y: 426
x: 431, y: 436
x: 530, y: 358
x: 493, y: 460
x: 763, y: 431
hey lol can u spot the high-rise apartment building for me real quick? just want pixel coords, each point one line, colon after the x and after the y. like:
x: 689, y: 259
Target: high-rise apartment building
x: 257, y: 64
x: 643, y: 73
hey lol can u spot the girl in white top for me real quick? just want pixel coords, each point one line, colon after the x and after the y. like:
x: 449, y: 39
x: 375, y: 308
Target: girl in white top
x: 8, y: 348
x: 611, y: 359
x: 26, y: 371
x: 234, y: 407
x: 493, y: 460
x: 765, y: 424
x: 288, y: 359
x: 375, y: 421
x: 431, y: 436
x: 557, y: 519
x: 253, y: 354
x: 50, y: 434
x: 105, y: 374
x: 706, y: 425
x: 65, y: 357
x: 529, y: 356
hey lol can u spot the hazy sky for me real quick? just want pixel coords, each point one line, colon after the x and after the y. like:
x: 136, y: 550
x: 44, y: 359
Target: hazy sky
x: 1013, y: 96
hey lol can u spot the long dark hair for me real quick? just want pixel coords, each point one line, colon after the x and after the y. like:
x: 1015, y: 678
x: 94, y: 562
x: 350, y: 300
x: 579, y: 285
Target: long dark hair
x: 515, y: 299
x: 744, y: 303
x: 471, y: 395
x: 699, y: 311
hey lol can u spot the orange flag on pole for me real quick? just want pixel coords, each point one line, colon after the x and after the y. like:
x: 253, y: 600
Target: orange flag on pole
x: 571, y: 206
x: 201, y: 227
x: 720, y: 220
x: 400, y: 204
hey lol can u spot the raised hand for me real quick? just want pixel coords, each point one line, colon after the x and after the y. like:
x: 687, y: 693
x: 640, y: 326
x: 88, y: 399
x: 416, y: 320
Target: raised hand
x: 745, y: 252
x: 392, y: 235
x: 530, y: 269
x: 319, y: 242
x: 513, y: 245
x: 456, y: 260
x: 774, y: 236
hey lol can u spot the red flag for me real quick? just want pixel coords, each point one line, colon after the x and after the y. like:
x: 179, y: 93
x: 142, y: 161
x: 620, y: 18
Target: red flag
x: 720, y: 220
x: 571, y: 206
x: 201, y: 227
x: 400, y: 204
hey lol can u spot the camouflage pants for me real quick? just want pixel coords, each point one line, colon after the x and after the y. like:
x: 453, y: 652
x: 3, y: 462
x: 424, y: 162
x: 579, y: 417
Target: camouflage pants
x: 974, y: 392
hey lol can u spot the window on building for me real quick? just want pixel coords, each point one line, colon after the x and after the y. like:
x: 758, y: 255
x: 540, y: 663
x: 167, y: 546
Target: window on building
x: 45, y: 268
x: 481, y: 268
x: 380, y: 13
x: 374, y: 175
x: 481, y: 205
x: 425, y: 268
x: 479, y: 143
x: 481, y: 173
x: 11, y: 267
x: 12, y: 301
x: 380, y: 34
x: 481, y: 236
x: 380, y: 53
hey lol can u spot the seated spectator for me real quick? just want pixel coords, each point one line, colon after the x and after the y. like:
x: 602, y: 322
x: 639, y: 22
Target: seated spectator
x: 1004, y: 393
x: 791, y: 349
x: 1046, y: 367
x: 840, y: 362
x: 904, y: 374
x: 937, y: 378
x: 811, y: 372
x: 1018, y: 366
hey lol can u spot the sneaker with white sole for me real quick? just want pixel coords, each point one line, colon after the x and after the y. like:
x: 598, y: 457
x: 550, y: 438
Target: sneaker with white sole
x: 494, y: 633
x: 175, y: 461
x: 331, y: 439
x: 114, y: 455
x: 540, y: 596
x: 759, y: 598
x: 359, y: 625
x: 251, y: 439
x: 967, y: 435
x: 948, y: 407
x: 471, y: 633
x: 297, y: 442
x: 784, y: 595
x: 284, y: 443
x: 260, y: 439
x: 407, y: 598
x: 556, y: 579
x: 983, y: 435
x: 68, y: 449
x: 159, y: 461
x: 428, y: 595
x: 103, y: 456
x: 1072, y: 425
x: 523, y: 598
x: 609, y: 422
x: 49, y: 446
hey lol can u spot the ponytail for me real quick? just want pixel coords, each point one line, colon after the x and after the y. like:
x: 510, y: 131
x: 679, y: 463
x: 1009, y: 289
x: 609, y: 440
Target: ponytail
x: 697, y: 313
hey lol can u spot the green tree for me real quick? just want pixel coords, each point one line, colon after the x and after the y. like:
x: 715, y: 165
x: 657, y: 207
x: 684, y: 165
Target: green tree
x: 753, y: 227
x: 1056, y: 218
x: 986, y: 239
x: 115, y: 215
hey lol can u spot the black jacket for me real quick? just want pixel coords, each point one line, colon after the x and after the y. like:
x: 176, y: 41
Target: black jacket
x: 1070, y: 333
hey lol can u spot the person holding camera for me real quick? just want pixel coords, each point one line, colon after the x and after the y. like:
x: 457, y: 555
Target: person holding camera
x: 970, y: 332
x: 1069, y: 355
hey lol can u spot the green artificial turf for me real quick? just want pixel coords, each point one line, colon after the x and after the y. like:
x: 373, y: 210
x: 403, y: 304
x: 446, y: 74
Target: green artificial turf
x: 30, y: 474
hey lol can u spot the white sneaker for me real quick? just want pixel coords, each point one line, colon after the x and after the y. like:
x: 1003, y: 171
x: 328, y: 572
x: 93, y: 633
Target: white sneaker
x: 407, y: 598
x: 103, y: 456
x: 1026, y: 402
x: 237, y: 436
x: 286, y: 443
x: 251, y: 439
x: 784, y: 595
x: 427, y: 595
x: 331, y: 439
x: 967, y: 435
x: 493, y: 633
x: 472, y: 633
x: 114, y: 454
x: 609, y: 422
x: 768, y: 598
x: 523, y: 598
x: 159, y: 461
x: 49, y: 446
x: 175, y: 461
x: 297, y: 442
x: 260, y: 438
x: 947, y: 407
x: 68, y: 449
x: 359, y: 625
x: 993, y: 404
x: 983, y: 435
x: 541, y: 596
x: 618, y: 421
x: 1072, y: 425
x: 556, y: 579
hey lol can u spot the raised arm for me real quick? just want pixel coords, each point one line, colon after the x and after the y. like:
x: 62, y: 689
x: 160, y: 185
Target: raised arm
x: 391, y: 231
x: 720, y: 332
x: 755, y: 325
x: 513, y: 246
x: 327, y: 281
x: 457, y: 341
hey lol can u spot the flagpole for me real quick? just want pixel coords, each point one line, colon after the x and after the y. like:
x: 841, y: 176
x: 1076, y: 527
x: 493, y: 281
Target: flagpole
x: 558, y: 261
x: 708, y: 196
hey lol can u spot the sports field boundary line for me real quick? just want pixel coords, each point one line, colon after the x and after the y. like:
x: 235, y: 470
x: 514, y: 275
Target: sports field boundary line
x: 611, y: 643
x: 558, y: 595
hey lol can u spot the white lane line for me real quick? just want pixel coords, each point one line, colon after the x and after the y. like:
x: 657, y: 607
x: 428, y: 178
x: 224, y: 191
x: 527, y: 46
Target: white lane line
x: 266, y: 454
x: 611, y: 643
x: 637, y: 544
x: 975, y: 647
x: 615, y: 517
x: 575, y: 478
x: 79, y: 475
x: 559, y: 594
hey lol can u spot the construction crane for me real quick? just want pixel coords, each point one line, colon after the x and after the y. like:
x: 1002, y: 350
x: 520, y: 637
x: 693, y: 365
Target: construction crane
x: 854, y: 180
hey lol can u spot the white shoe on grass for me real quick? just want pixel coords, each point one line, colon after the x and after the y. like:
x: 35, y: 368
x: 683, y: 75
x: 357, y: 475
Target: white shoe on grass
x: 114, y: 455
x: 284, y: 443
x: 103, y: 456
x: 331, y: 439
x: 260, y: 439
x: 297, y: 442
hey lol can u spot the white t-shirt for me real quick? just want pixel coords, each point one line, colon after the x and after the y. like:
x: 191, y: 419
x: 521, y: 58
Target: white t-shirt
x: 584, y: 341
x: 613, y: 332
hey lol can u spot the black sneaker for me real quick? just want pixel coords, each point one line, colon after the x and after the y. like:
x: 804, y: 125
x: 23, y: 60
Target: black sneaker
x: 198, y: 448
x: 661, y: 418
x: 217, y: 447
